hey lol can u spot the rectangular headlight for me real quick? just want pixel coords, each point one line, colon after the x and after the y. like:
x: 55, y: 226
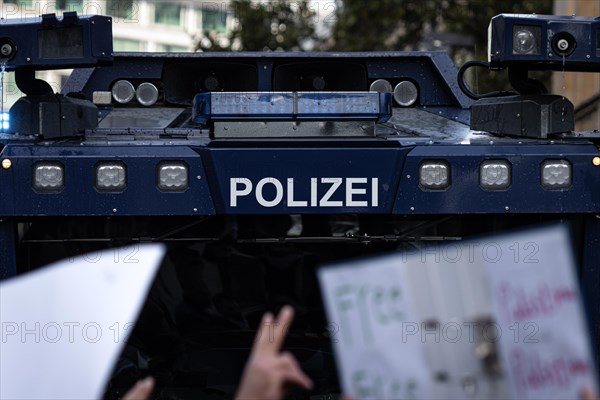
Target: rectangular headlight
x: 172, y: 176
x: 48, y: 177
x: 434, y: 175
x: 556, y: 174
x: 111, y: 176
x: 494, y: 174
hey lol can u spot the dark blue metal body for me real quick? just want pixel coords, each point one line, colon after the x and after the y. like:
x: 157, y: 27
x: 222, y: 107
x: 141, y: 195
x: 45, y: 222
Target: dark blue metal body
x: 395, y: 168
x: 434, y: 72
x: 80, y: 197
x: 43, y: 43
x: 376, y: 175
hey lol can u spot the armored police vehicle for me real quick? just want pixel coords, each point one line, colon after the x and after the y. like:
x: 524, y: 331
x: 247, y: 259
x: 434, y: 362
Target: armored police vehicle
x: 255, y: 168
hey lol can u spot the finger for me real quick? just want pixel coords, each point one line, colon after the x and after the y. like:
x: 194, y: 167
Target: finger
x: 587, y: 394
x: 293, y: 373
x: 295, y: 376
x: 141, y: 390
x: 281, y: 326
x: 264, y: 331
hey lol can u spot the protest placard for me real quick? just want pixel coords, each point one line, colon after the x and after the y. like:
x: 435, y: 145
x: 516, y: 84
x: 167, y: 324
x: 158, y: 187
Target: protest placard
x: 64, y: 325
x: 492, y: 318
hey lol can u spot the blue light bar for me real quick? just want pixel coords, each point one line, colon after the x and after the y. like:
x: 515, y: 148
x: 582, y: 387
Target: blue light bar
x: 4, y: 122
x: 265, y: 106
x: 360, y: 105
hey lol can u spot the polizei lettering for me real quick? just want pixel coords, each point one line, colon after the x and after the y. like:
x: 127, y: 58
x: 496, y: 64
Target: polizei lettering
x: 318, y: 192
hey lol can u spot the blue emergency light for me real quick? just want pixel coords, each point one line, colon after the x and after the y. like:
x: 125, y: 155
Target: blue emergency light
x: 545, y: 42
x: 4, y: 122
x: 303, y: 106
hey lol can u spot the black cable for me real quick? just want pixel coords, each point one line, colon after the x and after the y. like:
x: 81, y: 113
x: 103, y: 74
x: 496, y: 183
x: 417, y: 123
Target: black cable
x: 465, y: 89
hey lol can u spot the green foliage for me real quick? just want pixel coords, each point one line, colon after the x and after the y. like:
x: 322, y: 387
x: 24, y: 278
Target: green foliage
x: 384, y: 24
x: 473, y: 17
x: 272, y: 26
x: 362, y: 25
x: 401, y: 24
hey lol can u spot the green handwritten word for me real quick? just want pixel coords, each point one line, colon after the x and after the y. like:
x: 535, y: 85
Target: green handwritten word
x: 377, y: 305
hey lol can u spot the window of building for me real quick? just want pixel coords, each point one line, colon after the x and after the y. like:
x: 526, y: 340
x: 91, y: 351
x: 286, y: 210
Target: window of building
x: 167, y: 13
x: 19, y: 2
x: 126, y: 45
x: 70, y: 5
x: 214, y: 19
x: 10, y: 91
x: 170, y: 48
x: 123, y: 9
x: 63, y: 80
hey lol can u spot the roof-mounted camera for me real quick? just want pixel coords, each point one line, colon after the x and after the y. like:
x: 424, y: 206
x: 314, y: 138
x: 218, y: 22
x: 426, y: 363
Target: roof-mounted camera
x: 522, y: 43
x: 51, y: 42
x: 544, y: 42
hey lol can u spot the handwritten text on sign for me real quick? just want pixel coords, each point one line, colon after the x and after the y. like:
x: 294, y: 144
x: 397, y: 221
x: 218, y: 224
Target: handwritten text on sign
x: 558, y: 365
x: 371, y: 302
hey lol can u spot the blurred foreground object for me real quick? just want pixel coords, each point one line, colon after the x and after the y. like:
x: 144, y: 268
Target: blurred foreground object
x: 64, y: 326
x: 461, y: 322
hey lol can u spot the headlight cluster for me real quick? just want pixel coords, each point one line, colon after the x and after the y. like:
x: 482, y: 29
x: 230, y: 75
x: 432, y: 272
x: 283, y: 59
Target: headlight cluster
x: 434, y: 175
x: 123, y: 92
x: 172, y: 176
x: 556, y: 174
x: 48, y: 177
x: 110, y: 176
x: 405, y: 93
x: 495, y: 174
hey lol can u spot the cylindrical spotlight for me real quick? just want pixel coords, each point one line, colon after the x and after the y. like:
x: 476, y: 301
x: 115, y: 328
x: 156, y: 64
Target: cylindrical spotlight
x: 381, y: 86
x: 146, y: 94
x: 123, y: 91
x: 406, y: 93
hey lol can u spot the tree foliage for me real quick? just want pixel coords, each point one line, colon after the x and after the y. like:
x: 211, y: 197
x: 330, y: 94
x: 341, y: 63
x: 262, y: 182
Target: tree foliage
x: 266, y: 26
x: 402, y: 24
x: 384, y: 24
x: 370, y: 26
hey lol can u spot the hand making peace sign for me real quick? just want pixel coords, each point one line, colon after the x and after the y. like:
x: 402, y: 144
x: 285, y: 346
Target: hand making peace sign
x: 268, y: 371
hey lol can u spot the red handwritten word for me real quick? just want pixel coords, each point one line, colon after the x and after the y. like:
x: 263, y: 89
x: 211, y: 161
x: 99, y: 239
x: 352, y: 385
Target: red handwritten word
x: 543, y: 301
x: 532, y: 373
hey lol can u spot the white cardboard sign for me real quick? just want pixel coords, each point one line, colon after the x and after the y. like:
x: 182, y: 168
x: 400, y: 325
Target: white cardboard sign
x: 410, y: 325
x: 63, y: 326
x: 369, y: 303
x: 547, y: 355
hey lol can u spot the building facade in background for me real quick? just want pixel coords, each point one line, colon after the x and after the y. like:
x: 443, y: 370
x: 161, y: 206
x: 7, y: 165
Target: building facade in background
x: 138, y: 25
x: 583, y: 89
x: 172, y: 26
